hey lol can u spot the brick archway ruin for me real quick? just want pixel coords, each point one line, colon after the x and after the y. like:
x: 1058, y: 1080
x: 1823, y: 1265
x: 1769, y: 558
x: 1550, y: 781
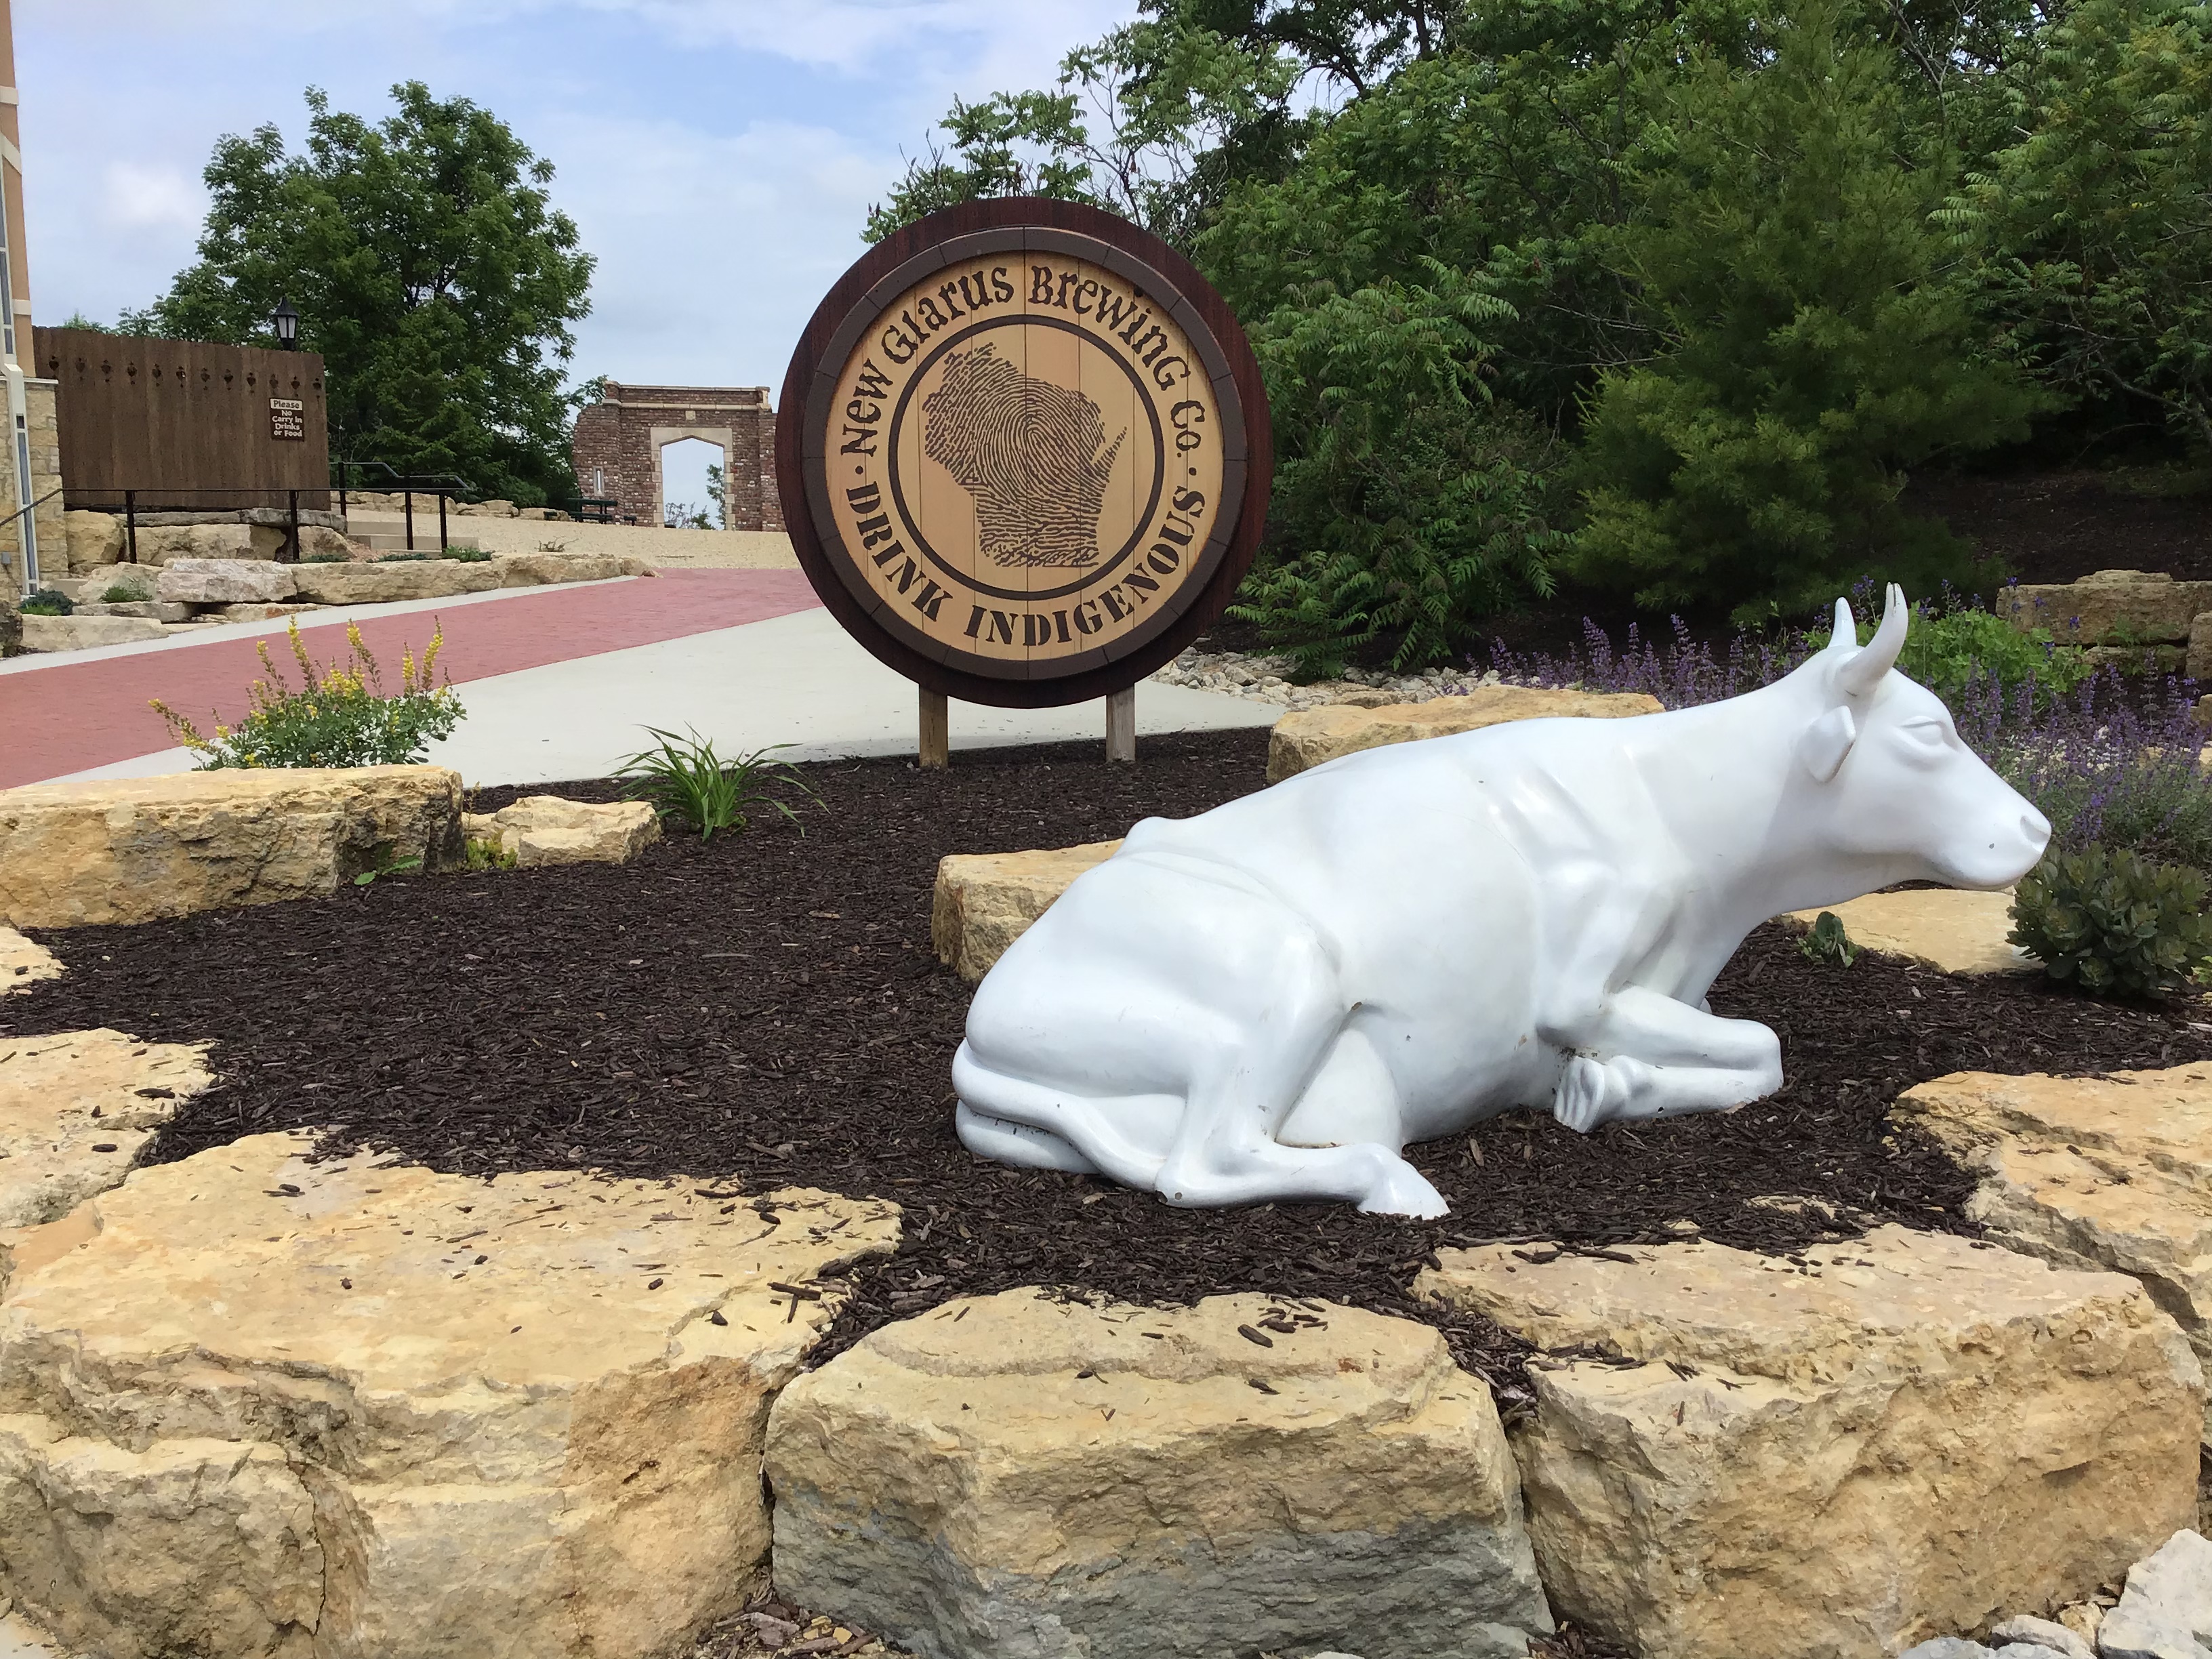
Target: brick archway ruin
x: 619, y: 440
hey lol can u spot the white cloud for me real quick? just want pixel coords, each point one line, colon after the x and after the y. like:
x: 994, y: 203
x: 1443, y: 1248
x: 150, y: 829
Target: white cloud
x: 712, y: 250
x: 141, y: 195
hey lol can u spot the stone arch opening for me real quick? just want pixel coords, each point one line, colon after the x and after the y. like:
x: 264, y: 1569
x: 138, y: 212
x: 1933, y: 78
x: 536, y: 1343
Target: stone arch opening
x: 683, y: 464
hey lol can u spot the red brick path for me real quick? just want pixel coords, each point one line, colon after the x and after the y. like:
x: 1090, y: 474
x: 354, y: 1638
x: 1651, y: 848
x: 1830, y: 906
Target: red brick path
x: 76, y: 715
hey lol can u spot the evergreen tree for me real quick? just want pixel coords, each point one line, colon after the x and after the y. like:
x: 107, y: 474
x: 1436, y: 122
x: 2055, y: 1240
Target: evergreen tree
x: 1817, y: 341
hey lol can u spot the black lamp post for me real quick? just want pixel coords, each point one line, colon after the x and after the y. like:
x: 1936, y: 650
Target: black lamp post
x: 287, y: 322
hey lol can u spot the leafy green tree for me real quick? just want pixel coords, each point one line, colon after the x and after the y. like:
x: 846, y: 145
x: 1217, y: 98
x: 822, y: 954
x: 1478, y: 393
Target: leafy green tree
x: 1408, y: 505
x: 429, y: 267
x: 2099, y: 217
x: 1151, y: 121
x: 1817, y: 341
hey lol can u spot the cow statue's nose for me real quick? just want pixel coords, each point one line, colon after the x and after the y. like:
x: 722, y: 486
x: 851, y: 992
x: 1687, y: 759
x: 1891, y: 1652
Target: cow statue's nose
x: 2036, y: 828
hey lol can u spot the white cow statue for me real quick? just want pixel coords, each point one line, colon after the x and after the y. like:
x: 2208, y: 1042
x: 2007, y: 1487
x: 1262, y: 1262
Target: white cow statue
x: 1271, y: 999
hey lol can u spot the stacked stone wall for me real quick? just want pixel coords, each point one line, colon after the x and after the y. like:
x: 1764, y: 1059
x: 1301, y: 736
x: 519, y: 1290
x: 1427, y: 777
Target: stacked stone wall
x: 45, y: 481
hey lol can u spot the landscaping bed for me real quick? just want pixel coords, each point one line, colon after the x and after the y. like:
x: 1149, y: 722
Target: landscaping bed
x: 768, y: 1008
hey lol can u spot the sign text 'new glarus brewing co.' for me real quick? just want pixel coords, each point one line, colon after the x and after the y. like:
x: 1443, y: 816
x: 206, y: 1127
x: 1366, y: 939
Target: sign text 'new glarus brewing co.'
x: 1032, y: 449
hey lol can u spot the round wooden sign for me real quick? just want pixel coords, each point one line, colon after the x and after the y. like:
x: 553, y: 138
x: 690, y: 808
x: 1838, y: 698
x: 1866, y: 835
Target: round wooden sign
x: 1032, y: 450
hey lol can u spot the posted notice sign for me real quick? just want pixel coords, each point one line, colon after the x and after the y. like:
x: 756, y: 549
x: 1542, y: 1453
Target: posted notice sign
x: 288, y: 418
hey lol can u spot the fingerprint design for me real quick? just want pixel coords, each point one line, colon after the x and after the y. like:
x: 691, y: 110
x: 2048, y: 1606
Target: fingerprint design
x: 1028, y: 452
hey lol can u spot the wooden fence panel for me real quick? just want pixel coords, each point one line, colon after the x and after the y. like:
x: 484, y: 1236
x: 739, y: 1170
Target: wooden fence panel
x: 185, y: 423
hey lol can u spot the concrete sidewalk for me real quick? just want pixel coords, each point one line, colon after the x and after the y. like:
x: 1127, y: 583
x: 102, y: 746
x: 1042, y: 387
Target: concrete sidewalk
x: 793, y: 678
x: 71, y: 711
x: 796, y: 679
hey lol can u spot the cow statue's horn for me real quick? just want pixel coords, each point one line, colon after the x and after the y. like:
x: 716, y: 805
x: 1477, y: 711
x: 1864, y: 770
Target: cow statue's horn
x: 1860, y: 672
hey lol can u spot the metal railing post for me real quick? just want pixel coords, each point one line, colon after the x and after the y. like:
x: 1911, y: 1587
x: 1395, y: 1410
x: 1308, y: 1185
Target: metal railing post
x: 407, y: 496
x: 443, y: 546
x: 292, y: 537
x: 130, y: 521
x: 342, y: 513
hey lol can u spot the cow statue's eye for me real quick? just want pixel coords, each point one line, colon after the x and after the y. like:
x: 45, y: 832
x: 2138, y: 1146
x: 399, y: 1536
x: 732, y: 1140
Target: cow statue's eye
x: 1928, y: 733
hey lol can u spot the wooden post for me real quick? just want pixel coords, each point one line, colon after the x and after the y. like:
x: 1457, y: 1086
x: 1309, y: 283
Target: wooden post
x: 936, y: 730
x: 1121, y: 724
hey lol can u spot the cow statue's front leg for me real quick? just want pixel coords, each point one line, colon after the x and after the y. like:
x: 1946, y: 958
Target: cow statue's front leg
x: 1647, y: 1055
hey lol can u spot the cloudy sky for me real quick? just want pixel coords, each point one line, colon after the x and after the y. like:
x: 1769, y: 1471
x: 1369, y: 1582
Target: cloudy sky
x: 719, y: 155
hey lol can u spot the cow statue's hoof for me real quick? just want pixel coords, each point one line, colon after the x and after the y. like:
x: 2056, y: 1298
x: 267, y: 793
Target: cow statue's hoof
x: 1591, y: 1092
x: 1404, y: 1190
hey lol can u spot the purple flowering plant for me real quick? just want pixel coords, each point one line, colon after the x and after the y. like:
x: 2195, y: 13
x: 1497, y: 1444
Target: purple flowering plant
x: 2109, y: 759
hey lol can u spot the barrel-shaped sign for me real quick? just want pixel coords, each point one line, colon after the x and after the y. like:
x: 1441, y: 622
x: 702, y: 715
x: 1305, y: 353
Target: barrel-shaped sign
x: 1032, y: 451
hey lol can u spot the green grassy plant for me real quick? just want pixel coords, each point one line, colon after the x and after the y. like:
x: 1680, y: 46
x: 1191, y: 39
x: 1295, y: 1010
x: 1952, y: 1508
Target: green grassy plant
x: 2114, y: 924
x: 1827, y: 941
x: 45, y: 602
x: 336, y: 716
x: 685, y: 779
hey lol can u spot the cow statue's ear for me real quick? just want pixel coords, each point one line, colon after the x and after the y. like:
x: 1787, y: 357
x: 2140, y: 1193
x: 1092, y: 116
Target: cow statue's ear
x: 1827, y: 741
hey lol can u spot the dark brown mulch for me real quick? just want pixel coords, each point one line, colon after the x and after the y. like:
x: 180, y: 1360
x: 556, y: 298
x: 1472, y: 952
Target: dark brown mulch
x: 768, y: 1009
x: 2060, y: 526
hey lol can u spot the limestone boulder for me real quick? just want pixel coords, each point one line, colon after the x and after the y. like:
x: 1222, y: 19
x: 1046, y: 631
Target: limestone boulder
x: 983, y: 902
x: 2165, y: 1611
x: 1014, y: 1474
x: 382, y: 582
x: 81, y: 633
x: 159, y: 543
x: 1939, y: 928
x: 1838, y: 1454
x: 131, y: 849
x: 254, y: 1404
x: 76, y: 1109
x: 260, y: 612
x: 534, y: 569
x: 160, y: 610
x: 2113, y: 607
x: 225, y: 581
x: 129, y: 582
x: 540, y: 829
x: 320, y: 541
x: 92, y: 539
x: 23, y: 964
x: 1312, y: 737
x: 2111, y: 1173
x: 11, y: 627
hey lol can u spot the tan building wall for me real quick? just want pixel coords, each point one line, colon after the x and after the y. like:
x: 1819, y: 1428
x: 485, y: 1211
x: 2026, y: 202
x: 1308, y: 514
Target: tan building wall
x: 45, y: 481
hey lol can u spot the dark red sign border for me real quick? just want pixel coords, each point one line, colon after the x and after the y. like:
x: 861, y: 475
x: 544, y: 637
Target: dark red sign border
x: 1203, y: 314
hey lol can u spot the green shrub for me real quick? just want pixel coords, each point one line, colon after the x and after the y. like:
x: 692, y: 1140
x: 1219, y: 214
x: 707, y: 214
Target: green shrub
x: 468, y: 554
x: 485, y: 854
x: 45, y: 602
x: 1951, y: 651
x: 120, y: 594
x: 2113, y: 924
x: 1810, y: 342
x: 325, y: 558
x: 404, y: 558
x: 337, y: 716
x: 1410, y: 504
x: 684, y: 778
x: 1827, y: 941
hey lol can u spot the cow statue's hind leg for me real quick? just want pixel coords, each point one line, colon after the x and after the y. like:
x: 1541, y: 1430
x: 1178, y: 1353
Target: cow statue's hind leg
x: 1647, y: 1055
x: 1226, y: 1150
x: 1212, y: 1003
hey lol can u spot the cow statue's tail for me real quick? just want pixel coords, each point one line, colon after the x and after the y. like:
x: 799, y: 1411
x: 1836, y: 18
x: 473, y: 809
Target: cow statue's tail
x: 1038, y: 1127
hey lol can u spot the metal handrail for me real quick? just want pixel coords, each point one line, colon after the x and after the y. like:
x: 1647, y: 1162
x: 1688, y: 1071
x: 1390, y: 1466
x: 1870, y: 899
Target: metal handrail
x: 32, y: 506
x: 444, y: 485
